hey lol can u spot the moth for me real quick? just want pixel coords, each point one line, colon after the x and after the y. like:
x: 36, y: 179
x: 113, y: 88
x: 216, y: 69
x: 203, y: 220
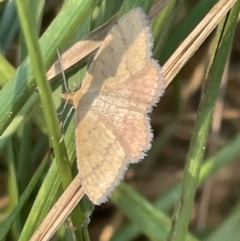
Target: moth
x: 112, y: 125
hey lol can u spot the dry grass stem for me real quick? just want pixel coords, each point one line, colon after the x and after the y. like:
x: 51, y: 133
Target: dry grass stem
x: 191, y: 44
x: 60, y: 211
x: 81, y: 49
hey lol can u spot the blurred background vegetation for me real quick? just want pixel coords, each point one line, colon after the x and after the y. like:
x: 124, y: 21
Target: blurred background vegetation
x: 141, y: 208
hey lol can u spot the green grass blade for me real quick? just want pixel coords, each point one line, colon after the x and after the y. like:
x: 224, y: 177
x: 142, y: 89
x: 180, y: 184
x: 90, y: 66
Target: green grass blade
x: 8, y: 222
x: 21, y: 116
x: 165, y: 203
x: 229, y: 229
x: 9, y: 26
x: 152, y: 222
x: 129, y: 4
x: 161, y: 25
x: 182, y: 30
x: 6, y: 70
x: 21, y: 86
x: 31, y: 39
x: 49, y: 192
x: 223, y: 42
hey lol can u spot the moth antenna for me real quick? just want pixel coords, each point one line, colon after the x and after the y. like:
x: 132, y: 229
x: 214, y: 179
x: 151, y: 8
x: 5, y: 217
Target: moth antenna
x: 66, y: 102
x: 63, y: 74
x: 63, y: 109
x: 64, y: 123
